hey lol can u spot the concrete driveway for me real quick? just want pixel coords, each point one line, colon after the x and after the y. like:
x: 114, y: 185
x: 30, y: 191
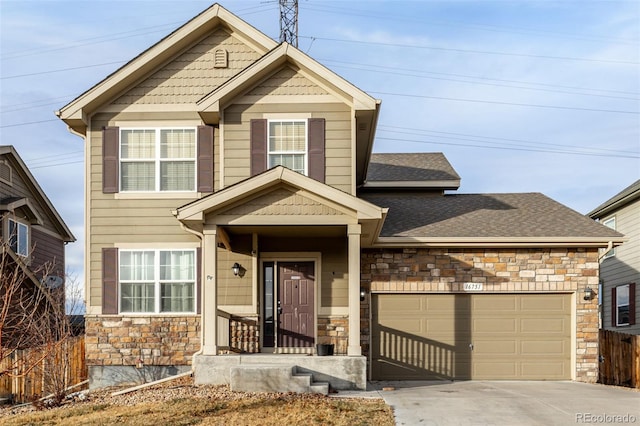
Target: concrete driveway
x: 509, y: 403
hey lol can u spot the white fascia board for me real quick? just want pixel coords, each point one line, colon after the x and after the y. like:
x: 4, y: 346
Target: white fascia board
x: 503, y: 242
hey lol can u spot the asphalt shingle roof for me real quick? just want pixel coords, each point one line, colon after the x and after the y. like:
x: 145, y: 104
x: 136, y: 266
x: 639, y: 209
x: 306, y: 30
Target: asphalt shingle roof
x: 410, y: 167
x: 519, y: 215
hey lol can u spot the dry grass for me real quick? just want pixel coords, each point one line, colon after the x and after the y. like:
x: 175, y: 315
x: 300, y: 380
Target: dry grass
x: 188, y: 404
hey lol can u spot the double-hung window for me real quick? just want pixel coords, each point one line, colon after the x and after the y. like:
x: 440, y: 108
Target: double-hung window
x: 287, y: 144
x: 157, y: 281
x: 158, y: 159
x: 622, y: 305
x: 19, y: 237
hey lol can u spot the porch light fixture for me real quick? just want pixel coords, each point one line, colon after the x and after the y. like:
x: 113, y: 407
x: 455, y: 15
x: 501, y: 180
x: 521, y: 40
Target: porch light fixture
x: 588, y: 293
x: 236, y: 269
x: 362, y: 294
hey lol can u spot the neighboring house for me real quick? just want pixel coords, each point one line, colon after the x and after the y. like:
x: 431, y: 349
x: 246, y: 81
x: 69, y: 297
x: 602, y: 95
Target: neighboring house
x: 32, y: 233
x: 620, y: 266
x: 234, y: 207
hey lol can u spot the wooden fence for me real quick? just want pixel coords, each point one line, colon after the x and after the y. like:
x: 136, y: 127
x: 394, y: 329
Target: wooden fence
x: 67, y: 366
x: 619, y: 359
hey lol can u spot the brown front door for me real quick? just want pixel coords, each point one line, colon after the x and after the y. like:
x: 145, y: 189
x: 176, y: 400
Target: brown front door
x: 295, y: 304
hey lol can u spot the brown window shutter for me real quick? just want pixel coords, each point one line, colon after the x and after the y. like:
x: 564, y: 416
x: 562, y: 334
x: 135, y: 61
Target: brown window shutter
x: 110, y: 280
x: 632, y: 304
x: 205, y: 159
x: 614, y: 307
x: 316, y: 138
x: 198, y: 280
x: 110, y: 159
x: 258, y: 146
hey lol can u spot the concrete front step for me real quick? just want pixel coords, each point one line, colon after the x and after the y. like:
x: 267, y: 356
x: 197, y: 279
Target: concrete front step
x: 274, y: 378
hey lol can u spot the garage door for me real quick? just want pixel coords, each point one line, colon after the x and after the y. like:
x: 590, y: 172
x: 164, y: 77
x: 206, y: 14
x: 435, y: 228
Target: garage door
x: 471, y: 336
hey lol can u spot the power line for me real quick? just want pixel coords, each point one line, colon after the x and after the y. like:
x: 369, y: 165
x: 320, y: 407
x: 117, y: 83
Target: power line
x: 376, y: 69
x: 507, y: 103
x: 527, y: 142
x: 26, y: 124
x: 61, y: 70
x: 483, y: 52
x: 510, y: 148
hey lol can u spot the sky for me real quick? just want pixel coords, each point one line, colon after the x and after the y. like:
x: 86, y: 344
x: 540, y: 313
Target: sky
x: 520, y: 96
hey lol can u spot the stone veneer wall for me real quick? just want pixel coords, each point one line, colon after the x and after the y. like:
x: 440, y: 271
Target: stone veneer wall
x: 560, y: 270
x: 124, y: 340
x: 334, y: 330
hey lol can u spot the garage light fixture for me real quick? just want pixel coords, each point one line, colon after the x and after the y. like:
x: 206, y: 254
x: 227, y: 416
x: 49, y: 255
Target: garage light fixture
x: 588, y: 293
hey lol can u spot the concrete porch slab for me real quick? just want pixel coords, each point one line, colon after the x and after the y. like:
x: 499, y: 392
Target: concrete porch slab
x: 341, y: 372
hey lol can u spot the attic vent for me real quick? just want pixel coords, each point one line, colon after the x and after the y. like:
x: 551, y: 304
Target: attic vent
x: 5, y: 172
x: 220, y: 58
x: 362, y: 127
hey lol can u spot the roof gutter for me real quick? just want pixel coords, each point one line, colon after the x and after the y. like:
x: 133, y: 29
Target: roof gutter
x: 505, y: 242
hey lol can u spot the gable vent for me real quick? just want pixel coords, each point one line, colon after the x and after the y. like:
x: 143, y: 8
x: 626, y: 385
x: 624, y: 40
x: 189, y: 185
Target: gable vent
x: 5, y: 172
x: 220, y: 58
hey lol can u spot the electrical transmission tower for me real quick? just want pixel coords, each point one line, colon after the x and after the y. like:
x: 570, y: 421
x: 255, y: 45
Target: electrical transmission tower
x: 289, y: 22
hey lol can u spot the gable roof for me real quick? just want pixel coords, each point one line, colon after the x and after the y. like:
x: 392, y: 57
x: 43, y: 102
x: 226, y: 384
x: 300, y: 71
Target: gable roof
x: 38, y: 193
x: 521, y: 219
x: 411, y: 170
x: 621, y: 199
x: 370, y: 216
x: 76, y: 113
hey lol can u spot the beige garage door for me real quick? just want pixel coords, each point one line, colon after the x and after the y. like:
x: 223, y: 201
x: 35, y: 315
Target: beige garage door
x: 471, y: 336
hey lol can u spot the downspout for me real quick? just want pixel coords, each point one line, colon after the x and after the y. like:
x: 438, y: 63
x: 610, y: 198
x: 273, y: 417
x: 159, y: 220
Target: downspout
x: 604, y: 253
x: 201, y: 237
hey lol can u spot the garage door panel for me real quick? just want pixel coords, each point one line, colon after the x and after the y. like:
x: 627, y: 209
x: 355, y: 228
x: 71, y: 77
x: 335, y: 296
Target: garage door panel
x: 514, y: 336
x: 495, y: 326
x: 543, y: 303
x: 489, y: 370
x: 544, y: 347
x: 495, y: 306
x: 492, y: 347
x: 543, y: 325
x: 549, y: 370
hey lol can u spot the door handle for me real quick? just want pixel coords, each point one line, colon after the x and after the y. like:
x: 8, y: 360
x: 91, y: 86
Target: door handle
x: 471, y: 346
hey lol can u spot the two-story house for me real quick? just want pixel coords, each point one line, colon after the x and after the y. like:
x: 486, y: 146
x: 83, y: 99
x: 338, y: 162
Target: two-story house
x: 620, y: 266
x: 234, y: 208
x: 32, y: 234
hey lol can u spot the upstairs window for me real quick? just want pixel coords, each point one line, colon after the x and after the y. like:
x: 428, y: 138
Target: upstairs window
x: 19, y: 237
x: 158, y: 160
x: 288, y: 145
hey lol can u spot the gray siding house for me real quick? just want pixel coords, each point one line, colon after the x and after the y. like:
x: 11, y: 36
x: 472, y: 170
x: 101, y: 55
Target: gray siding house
x: 620, y: 266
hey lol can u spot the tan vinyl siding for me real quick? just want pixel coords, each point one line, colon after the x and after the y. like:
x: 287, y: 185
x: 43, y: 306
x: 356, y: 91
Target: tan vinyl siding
x: 287, y: 82
x: 192, y: 74
x: 235, y: 290
x: 113, y: 220
x: 624, y: 267
x: 337, y: 145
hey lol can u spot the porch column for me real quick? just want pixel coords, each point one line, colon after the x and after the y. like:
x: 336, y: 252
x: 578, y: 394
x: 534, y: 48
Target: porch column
x: 354, y: 348
x: 209, y: 324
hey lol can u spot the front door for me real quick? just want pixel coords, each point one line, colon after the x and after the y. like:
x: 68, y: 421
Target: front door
x: 295, y: 304
x: 289, y: 317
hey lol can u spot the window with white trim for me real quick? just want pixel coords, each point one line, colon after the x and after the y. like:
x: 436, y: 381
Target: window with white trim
x: 287, y: 144
x: 162, y: 159
x: 157, y: 281
x: 19, y: 237
x: 622, y: 305
x: 611, y: 223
